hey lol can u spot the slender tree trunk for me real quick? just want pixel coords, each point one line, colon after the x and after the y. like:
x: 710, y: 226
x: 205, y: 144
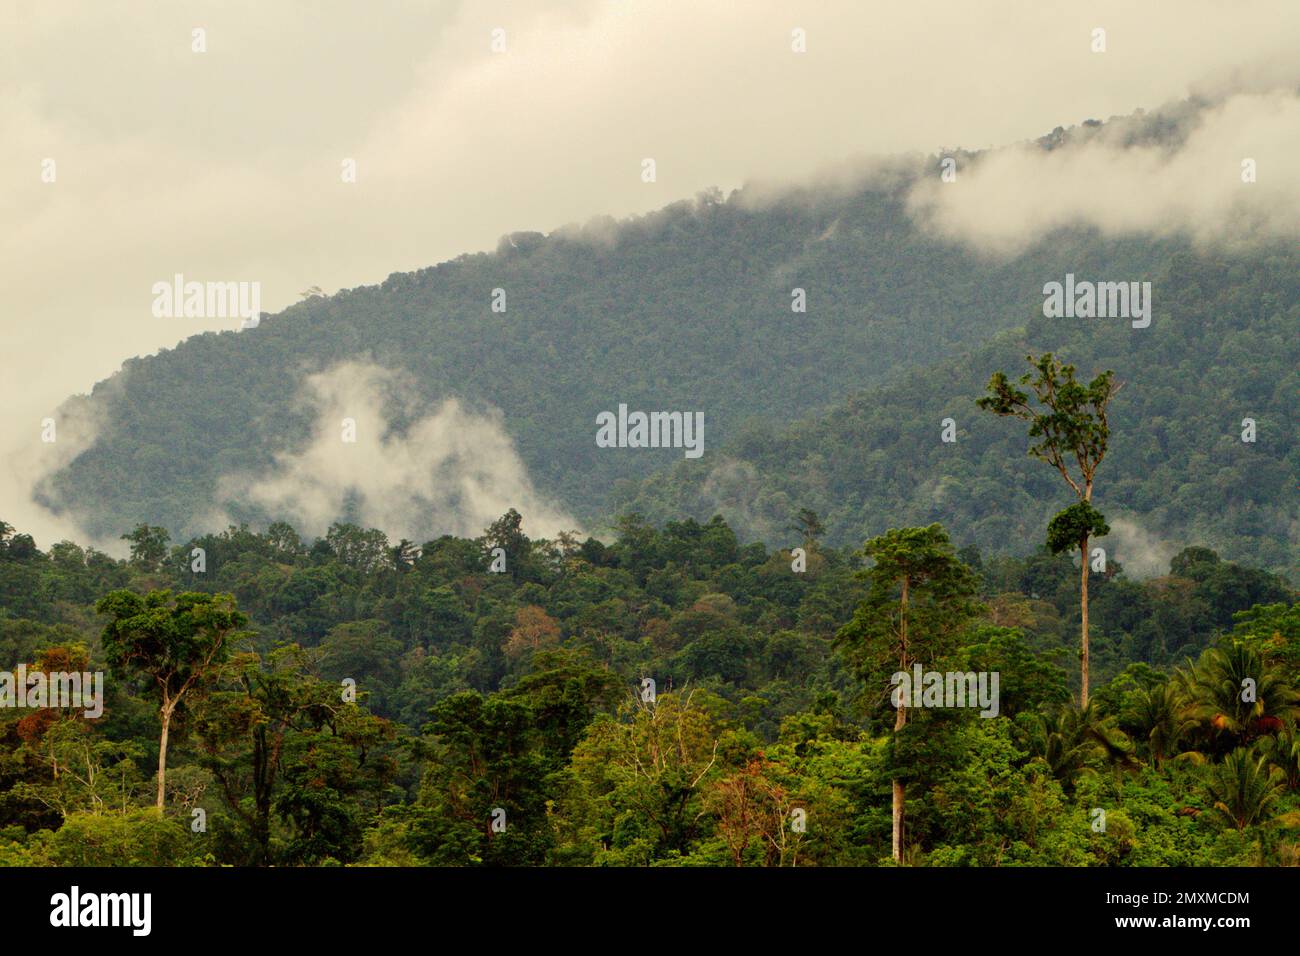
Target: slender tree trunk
x: 900, y: 721
x: 162, y: 755
x: 1083, y: 608
x: 898, y: 816
x: 262, y: 796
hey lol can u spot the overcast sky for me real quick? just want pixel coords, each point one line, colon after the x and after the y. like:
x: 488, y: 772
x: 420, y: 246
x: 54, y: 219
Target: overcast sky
x: 226, y: 165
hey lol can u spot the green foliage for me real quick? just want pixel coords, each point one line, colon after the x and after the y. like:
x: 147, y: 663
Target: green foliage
x: 1069, y: 422
x: 1243, y: 789
x: 1223, y: 339
x: 175, y: 644
x: 690, y: 301
x: 479, y: 692
x: 134, y: 838
x: 148, y: 546
x: 921, y: 597
x: 1072, y: 527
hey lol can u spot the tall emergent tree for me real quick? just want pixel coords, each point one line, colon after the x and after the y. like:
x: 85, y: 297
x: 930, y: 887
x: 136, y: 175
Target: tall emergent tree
x: 176, y: 645
x: 1067, y: 422
x: 921, y: 597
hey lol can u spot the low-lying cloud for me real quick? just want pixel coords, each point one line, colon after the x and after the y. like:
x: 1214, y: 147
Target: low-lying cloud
x: 1143, y: 554
x: 1010, y: 198
x: 450, y: 471
x: 45, y: 447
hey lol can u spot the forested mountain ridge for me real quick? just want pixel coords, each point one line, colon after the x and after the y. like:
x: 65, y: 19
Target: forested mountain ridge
x: 689, y: 308
x: 1222, y: 348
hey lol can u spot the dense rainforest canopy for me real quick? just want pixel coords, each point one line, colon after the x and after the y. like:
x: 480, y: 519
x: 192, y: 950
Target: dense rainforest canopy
x: 378, y: 702
x: 1222, y: 348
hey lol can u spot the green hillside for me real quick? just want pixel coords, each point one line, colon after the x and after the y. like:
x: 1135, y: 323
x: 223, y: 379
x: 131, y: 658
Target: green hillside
x: 1222, y: 347
x: 686, y: 309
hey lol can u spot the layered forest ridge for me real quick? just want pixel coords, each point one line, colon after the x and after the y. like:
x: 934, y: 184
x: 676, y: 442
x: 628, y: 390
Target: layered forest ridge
x: 1177, y: 469
x: 689, y: 307
x: 401, y: 591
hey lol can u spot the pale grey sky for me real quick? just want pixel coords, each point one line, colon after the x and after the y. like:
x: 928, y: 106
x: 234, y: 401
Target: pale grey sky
x: 225, y: 165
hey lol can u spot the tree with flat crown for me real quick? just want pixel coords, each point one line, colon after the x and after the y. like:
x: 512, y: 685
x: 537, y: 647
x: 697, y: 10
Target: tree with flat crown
x: 176, y: 645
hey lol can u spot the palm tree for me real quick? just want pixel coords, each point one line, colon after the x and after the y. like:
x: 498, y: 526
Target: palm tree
x: 1283, y: 752
x: 1244, y: 788
x: 1067, y: 740
x: 1159, y: 716
x: 1234, y: 690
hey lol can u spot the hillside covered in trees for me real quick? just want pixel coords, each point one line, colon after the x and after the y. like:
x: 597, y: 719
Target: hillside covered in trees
x: 364, y: 701
x: 689, y: 308
x: 1222, y: 348
x: 719, y: 669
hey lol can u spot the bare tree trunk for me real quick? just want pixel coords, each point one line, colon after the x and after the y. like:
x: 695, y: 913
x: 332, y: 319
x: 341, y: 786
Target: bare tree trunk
x: 900, y: 721
x: 1083, y: 608
x: 898, y: 821
x: 162, y: 756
